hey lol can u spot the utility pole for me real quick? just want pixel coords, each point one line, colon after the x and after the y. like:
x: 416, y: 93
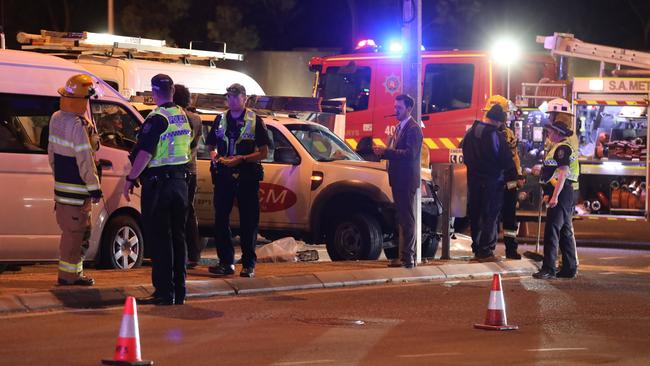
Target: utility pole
x: 111, y: 18
x: 412, y: 76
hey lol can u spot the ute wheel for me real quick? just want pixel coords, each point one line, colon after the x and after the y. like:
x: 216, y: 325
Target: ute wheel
x: 355, y: 238
x: 429, y: 247
x: 122, y: 243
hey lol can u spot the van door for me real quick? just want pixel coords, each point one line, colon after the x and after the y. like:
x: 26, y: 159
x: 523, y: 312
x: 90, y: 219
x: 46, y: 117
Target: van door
x: 28, y: 228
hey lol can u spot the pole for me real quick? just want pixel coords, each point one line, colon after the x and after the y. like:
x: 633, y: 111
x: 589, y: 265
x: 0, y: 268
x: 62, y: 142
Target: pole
x: 411, y: 76
x: 111, y: 19
x: 508, y: 81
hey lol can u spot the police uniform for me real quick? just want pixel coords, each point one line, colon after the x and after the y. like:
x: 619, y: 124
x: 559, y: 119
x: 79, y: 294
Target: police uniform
x: 509, y: 211
x: 166, y: 135
x: 72, y: 143
x: 233, y: 137
x: 487, y: 157
x: 558, y: 229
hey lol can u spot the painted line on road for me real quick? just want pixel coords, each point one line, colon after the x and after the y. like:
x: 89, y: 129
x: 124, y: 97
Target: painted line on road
x: 308, y: 362
x: 430, y: 355
x: 555, y: 349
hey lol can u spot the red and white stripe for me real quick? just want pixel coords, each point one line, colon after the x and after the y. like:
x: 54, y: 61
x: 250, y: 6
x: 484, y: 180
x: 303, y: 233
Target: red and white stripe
x: 496, y: 314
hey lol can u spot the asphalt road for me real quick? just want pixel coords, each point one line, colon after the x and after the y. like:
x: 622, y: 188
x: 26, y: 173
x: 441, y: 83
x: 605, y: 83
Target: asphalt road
x: 602, y: 317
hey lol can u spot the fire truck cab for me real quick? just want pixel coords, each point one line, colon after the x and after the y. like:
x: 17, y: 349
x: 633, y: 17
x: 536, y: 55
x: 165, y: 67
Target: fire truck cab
x: 455, y: 84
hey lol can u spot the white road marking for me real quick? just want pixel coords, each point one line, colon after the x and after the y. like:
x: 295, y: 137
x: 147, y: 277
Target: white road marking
x: 610, y: 258
x: 555, y: 349
x: 294, y: 363
x: 430, y: 355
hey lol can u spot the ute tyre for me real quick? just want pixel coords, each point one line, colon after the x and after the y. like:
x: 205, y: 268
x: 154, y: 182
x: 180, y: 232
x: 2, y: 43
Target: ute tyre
x: 429, y: 247
x: 358, y: 237
x: 122, y: 243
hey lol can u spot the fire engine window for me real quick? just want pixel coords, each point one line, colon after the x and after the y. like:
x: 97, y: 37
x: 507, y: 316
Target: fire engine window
x: 350, y: 83
x: 116, y: 127
x: 447, y: 87
x: 24, y: 122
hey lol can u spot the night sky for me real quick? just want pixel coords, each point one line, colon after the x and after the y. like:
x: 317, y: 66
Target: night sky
x: 329, y: 24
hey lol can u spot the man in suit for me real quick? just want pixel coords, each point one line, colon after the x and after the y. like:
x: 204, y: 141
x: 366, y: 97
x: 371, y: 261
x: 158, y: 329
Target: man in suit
x: 403, y: 154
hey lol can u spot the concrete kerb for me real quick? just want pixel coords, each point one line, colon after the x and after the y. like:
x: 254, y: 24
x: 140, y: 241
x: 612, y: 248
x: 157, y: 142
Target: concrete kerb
x: 100, y: 297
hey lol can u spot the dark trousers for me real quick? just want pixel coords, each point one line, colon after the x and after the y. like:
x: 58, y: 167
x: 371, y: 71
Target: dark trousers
x: 558, y: 230
x: 406, y: 206
x: 226, y: 189
x: 194, y: 244
x: 164, y: 210
x: 485, y: 201
x: 509, y: 219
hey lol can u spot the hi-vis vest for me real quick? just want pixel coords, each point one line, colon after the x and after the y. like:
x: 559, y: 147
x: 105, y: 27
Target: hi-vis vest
x: 174, y: 144
x: 247, y: 131
x: 574, y: 167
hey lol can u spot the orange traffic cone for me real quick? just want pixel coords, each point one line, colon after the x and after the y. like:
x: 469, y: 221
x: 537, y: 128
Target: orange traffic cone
x: 496, y: 313
x: 127, y: 350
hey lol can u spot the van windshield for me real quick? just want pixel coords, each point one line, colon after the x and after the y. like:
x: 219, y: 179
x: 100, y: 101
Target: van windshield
x: 321, y: 143
x: 352, y: 83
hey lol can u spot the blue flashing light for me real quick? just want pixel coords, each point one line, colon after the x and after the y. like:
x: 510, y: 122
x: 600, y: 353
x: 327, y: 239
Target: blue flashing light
x: 395, y: 47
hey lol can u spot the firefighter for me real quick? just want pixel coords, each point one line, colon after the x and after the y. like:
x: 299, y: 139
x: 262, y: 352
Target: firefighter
x: 488, y: 159
x: 160, y: 161
x: 73, y: 141
x: 237, y: 142
x: 509, y: 210
x: 559, y: 172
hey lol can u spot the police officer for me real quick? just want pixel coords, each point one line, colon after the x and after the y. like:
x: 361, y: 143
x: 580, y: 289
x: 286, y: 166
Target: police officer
x: 73, y: 141
x: 160, y: 163
x: 559, y: 173
x: 488, y: 159
x: 509, y: 210
x: 237, y: 142
x: 194, y: 244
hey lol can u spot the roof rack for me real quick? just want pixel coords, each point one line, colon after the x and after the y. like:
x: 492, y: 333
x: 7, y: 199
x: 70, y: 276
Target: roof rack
x: 88, y: 43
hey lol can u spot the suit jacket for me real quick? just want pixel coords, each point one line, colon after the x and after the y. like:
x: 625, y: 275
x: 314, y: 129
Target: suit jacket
x: 404, y: 157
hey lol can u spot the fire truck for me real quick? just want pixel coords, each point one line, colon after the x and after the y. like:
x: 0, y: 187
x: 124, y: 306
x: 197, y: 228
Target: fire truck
x: 611, y: 128
x: 456, y: 85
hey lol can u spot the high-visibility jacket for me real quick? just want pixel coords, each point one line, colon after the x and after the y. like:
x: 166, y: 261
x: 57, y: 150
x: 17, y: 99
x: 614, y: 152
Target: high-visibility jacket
x: 247, y: 131
x: 174, y: 144
x: 574, y: 166
x: 71, y: 150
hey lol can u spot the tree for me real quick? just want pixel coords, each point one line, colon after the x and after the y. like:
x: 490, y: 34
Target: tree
x: 149, y: 19
x: 228, y: 26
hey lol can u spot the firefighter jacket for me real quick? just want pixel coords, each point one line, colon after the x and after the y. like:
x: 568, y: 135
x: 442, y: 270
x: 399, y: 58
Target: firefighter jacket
x: 174, y: 144
x: 71, y: 152
x: 512, y: 142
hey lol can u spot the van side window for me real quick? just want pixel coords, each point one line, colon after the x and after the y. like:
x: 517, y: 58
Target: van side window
x: 353, y: 83
x: 24, y: 122
x: 447, y: 87
x: 116, y: 126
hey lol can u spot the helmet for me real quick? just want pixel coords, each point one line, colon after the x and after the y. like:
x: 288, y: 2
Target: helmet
x: 497, y: 99
x: 78, y: 86
x: 559, y: 105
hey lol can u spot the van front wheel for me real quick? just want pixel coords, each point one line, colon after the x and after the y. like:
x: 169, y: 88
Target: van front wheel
x: 122, y: 244
x: 358, y: 237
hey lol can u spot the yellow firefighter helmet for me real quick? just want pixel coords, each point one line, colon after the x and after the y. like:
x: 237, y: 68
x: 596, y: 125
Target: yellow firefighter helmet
x: 78, y: 86
x: 497, y: 99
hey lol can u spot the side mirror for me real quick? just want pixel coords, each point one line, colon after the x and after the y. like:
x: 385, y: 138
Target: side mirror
x: 286, y: 155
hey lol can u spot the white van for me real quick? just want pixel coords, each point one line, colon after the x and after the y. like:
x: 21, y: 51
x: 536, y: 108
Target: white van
x: 28, y: 228
x: 132, y: 76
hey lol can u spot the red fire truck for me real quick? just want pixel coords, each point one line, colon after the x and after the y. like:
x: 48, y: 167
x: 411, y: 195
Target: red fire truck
x: 455, y: 83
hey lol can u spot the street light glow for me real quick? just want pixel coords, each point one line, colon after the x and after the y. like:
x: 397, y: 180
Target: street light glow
x: 506, y: 51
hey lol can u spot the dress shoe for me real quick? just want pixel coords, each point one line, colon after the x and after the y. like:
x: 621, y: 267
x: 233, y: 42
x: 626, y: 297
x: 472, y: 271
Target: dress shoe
x: 191, y: 265
x: 155, y: 300
x: 512, y: 254
x: 567, y: 274
x: 395, y: 263
x: 222, y: 270
x: 489, y: 258
x: 544, y: 274
x: 408, y: 265
x: 81, y: 281
x: 248, y: 272
x: 179, y: 301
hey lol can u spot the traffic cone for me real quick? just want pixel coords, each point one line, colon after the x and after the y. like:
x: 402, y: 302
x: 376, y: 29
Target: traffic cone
x: 127, y: 350
x: 496, y: 313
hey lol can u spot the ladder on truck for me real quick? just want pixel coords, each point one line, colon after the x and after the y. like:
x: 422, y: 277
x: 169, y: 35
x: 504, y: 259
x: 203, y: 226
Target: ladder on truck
x: 75, y: 44
x: 565, y: 44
